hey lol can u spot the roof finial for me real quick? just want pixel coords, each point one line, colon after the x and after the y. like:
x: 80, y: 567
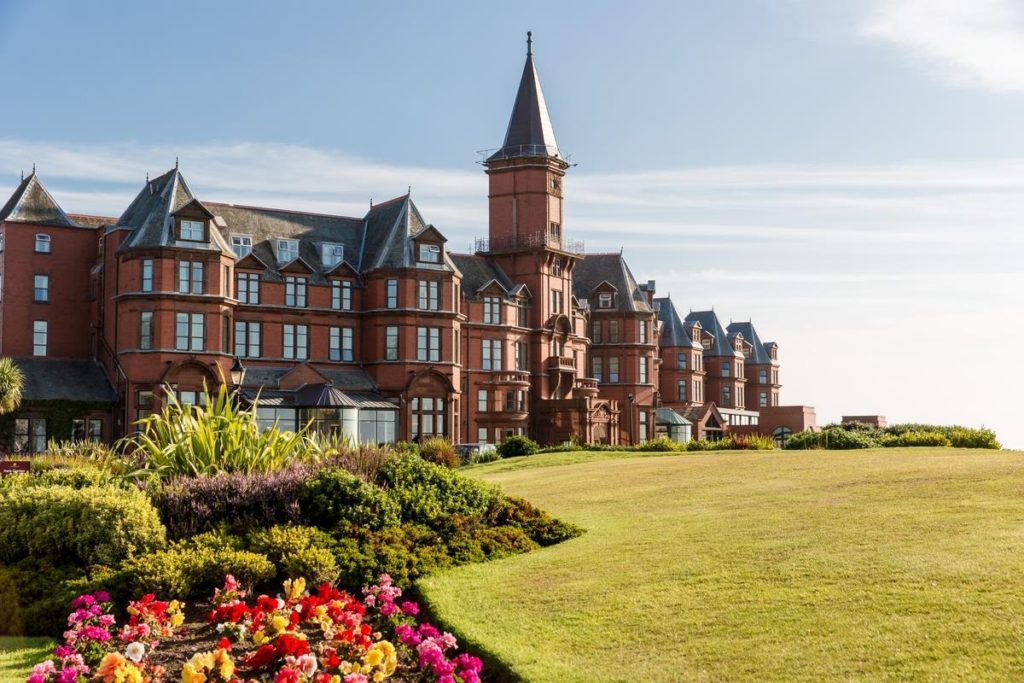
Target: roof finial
x: 23, y: 174
x: 147, y: 176
x: 409, y: 191
x: 529, y: 43
x: 33, y: 168
x: 175, y: 163
x: 371, y: 202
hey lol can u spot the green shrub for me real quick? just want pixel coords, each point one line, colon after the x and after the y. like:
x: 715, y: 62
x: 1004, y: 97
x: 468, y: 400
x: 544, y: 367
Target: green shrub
x: 803, y: 441
x: 842, y: 439
x: 334, y: 497
x: 486, y: 456
x: 914, y: 439
x: 218, y: 437
x: 753, y: 442
x: 659, y: 445
x: 405, y: 448
x: 541, y: 527
x: 183, y: 571
x: 517, y: 445
x: 405, y: 552
x: 297, y: 551
x: 439, y: 451
x: 83, y: 526
x: 962, y: 437
x: 427, y: 493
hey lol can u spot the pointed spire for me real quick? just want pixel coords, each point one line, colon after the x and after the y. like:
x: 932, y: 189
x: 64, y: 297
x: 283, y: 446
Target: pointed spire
x: 529, y: 131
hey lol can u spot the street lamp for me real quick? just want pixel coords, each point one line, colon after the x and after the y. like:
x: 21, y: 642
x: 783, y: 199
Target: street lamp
x: 629, y: 401
x: 237, y: 372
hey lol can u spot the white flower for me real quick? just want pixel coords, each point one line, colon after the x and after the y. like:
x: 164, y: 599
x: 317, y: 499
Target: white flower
x: 220, y: 628
x: 308, y: 665
x: 135, y: 651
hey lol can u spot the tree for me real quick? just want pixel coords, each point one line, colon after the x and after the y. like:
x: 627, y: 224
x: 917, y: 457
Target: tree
x: 11, y: 384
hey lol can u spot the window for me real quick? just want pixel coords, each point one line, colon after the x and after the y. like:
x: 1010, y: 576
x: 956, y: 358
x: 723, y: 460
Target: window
x: 492, y: 310
x: 604, y: 300
x: 190, y: 277
x: 523, y: 314
x: 143, y: 403
x: 556, y: 231
x: 762, y: 376
x: 95, y: 430
x: 241, y: 245
x: 643, y: 331
x: 429, y: 299
x: 296, y: 342
x: 643, y: 370
x: 193, y: 231
x: 391, y: 343
x: 189, y: 331
x: 147, y: 275
x: 247, y: 339
x: 613, y: 331
x: 392, y: 294
x: 596, y: 328
x: 681, y: 390
x: 557, y: 347
x: 331, y: 254
x: 87, y: 430
x: 481, y: 401
x: 341, y: 344
x: 428, y: 344
x: 643, y: 425
x: 247, y: 288
x: 430, y: 253
x: 556, y: 301
x: 41, y: 289
x: 698, y: 362
x: 556, y: 267
x: 287, y: 250
x: 739, y: 369
x: 681, y: 361
x: 613, y: 370
x: 727, y: 396
x: 521, y: 356
x: 492, y: 354
x: 30, y: 435
x: 726, y: 369
x: 341, y: 295
x: 481, y: 435
x: 43, y: 243
x: 39, y: 334
x: 428, y: 417
x: 146, y: 330
x: 294, y: 291
x: 597, y: 368
x: 378, y: 426
x: 763, y: 399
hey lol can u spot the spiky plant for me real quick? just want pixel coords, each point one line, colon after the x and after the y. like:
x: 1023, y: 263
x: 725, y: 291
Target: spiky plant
x: 12, y: 382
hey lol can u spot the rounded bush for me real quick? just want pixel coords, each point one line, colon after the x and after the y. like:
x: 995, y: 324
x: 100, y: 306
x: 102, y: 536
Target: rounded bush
x: 517, y: 445
x: 427, y: 493
x: 335, y: 498
x: 662, y: 444
x: 961, y: 437
x: 439, y: 451
x: 802, y: 441
x: 89, y: 525
x: 297, y: 551
x: 183, y: 572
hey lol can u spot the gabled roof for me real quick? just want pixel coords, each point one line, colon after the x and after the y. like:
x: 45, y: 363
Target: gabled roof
x: 596, y: 269
x: 529, y: 130
x: 673, y: 331
x: 32, y: 203
x: 52, y: 379
x: 720, y: 346
x: 478, y: 271
x: 759, y: 356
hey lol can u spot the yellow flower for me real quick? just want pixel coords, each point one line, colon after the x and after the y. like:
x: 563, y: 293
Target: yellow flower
x: 373, y: 657
x: 227, y: 667
x: 294, y: 588
x: 258, y: 637
x: 278, y: 623
x: 177, y: 620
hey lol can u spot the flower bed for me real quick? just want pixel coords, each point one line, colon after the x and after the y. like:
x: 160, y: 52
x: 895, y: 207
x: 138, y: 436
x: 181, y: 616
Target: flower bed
x: 325, y: 636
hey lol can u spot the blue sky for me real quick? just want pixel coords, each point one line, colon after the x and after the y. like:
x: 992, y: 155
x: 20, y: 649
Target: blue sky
x: 848, y: 175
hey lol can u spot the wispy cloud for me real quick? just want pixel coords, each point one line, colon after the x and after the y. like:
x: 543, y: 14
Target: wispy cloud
x: 967, y: 43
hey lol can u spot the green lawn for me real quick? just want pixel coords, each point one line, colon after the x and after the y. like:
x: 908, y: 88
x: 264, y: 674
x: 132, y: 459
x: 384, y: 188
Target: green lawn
x: 18, y: 655
x: 880, y: 564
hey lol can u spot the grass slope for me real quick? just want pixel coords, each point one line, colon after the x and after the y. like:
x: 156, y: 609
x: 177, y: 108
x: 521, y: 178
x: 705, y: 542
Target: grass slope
x: 895, y: 563
x: 18, y: 655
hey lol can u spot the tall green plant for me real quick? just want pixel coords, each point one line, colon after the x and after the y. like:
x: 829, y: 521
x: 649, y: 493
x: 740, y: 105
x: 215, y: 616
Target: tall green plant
x: 12, y: 382
x: 221, y: 436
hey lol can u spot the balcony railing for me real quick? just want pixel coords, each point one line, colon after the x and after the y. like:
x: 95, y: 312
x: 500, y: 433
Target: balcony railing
x: 509, y: 377
x: 561, y: 363
x: 532, y: 240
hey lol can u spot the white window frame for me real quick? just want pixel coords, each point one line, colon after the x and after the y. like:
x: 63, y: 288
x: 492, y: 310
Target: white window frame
x: 43, y: 239
x: 241, y: 245
x: 40, y: 337
x: 331, y: 254
x: 295, y: 342
x: 286, y: 247
x: 429, y: 253
x: 40, y: 284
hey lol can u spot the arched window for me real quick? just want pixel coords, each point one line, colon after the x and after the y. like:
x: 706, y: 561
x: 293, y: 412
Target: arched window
x: 780, y: 435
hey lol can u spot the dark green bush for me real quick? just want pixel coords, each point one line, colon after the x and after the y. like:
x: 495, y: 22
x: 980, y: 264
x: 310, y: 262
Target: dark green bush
x: 297, y: 551
x: 962, y: 437
x: 803, y: 441
x: 405, y: 552
x: 541, y: 527
x: 661, y: 444
x: 84, y: 526
x: 427, y: 493
x: 912, y: 439
x: 336, y: 498
x: 183, y: 571
x: 517, y: 445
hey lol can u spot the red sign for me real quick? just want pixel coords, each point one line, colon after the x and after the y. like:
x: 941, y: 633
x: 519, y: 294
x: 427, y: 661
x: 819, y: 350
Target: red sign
x: 13, y: 466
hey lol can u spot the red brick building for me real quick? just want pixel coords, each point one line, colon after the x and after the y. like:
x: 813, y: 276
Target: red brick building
x: 367, y: 325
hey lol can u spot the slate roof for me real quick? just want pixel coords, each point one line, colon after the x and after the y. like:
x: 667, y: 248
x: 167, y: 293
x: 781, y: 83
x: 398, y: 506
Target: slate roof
x: 346, y: 379
x: 594, y: 269
x: 32, y: 203
x: 759, y: 356
x: 529, y: 130
x: 673, y: 332
x: 710, y: 323
x: 478, y: 271
x: 48, y: 379
x: 667, y: 416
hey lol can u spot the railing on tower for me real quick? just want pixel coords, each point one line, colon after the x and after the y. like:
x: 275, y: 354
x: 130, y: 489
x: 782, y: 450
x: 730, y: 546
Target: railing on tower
x: 532, y: 240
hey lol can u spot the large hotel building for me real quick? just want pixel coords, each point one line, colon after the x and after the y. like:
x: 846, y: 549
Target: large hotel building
x: 368, y: 325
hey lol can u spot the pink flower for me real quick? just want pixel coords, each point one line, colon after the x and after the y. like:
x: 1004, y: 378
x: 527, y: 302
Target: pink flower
x: 428, y: 631
x: 102, y: 596
x: 410, y: 608
x: 64, y: 651
x: 355, y: 678
x: 287, y: 675
x: 388, y: 608
x: 407, y: 635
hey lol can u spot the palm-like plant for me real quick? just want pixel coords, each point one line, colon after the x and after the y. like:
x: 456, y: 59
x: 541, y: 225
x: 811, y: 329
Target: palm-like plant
x: 12, y: 382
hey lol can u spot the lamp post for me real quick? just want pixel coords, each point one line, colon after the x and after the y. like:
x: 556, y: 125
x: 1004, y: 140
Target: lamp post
x: 629, y: 403
x: 237, y: 372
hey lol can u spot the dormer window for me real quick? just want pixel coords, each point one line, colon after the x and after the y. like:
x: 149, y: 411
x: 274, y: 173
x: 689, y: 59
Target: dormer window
x: 332, y: 254
x: 604, y: 300
x: 192, y: 231
x: 287, y: 250
x: 42, y: 244
x: 430, y: 253
x: 241, y: 245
